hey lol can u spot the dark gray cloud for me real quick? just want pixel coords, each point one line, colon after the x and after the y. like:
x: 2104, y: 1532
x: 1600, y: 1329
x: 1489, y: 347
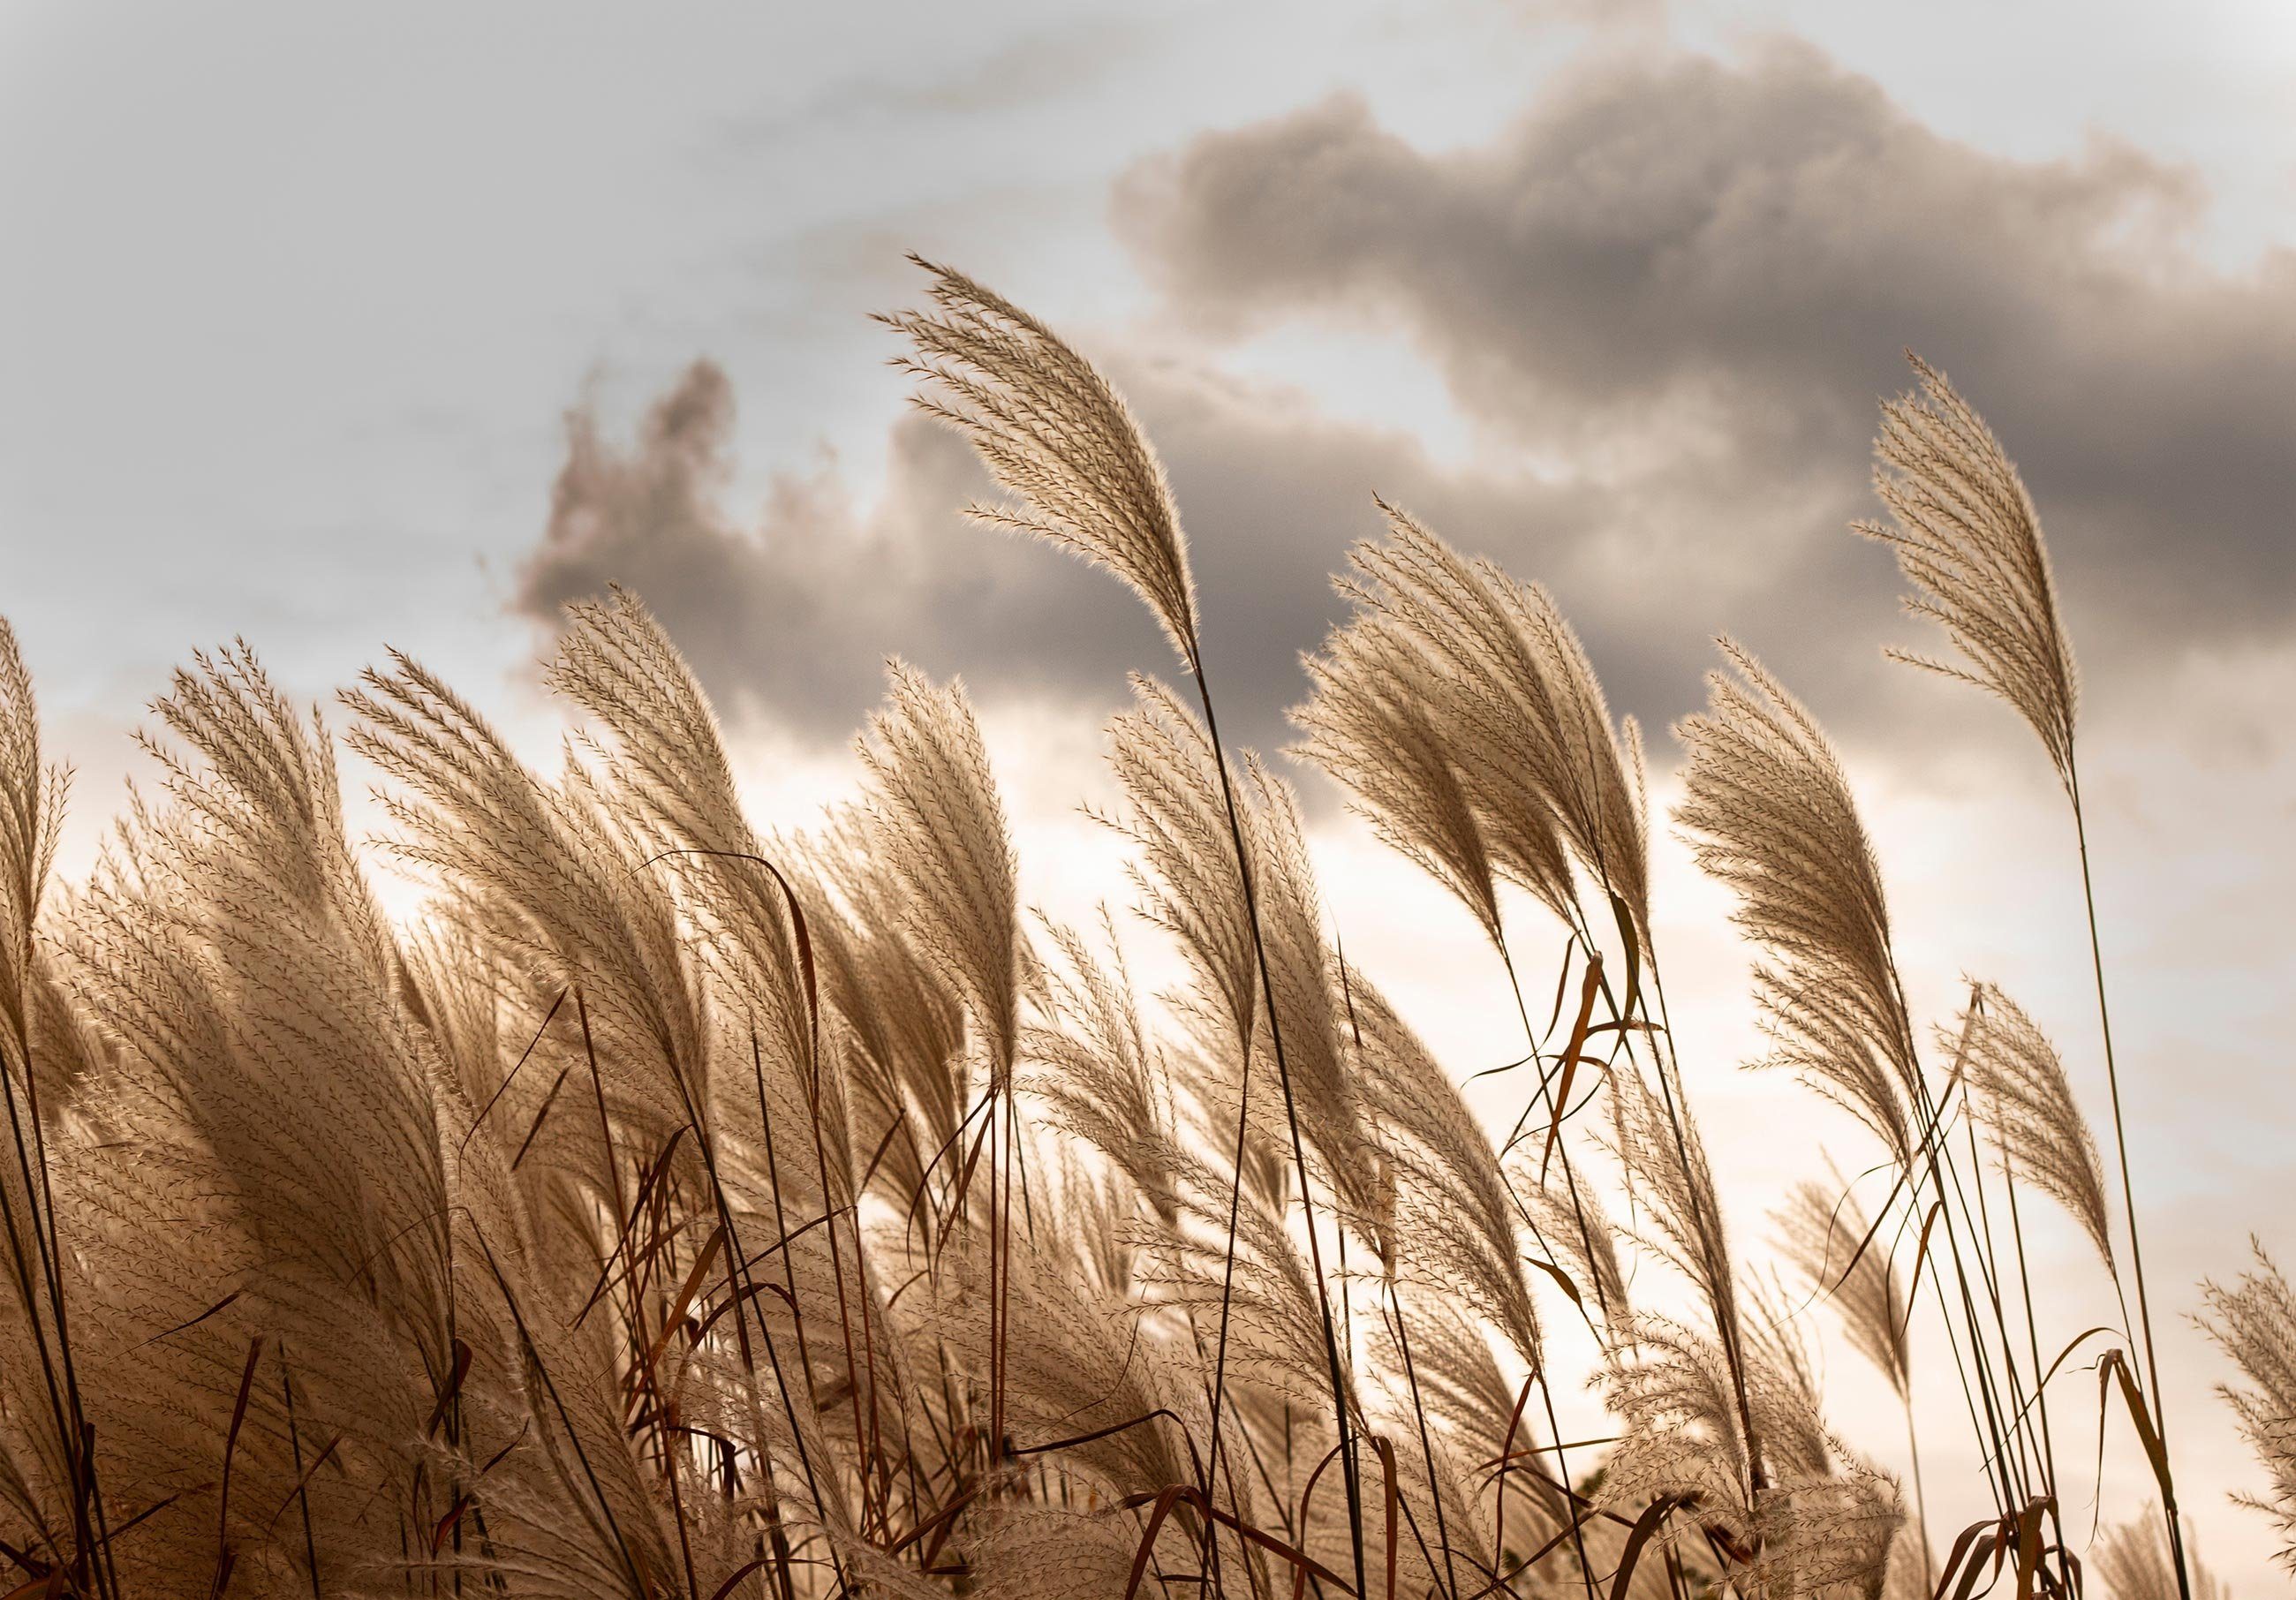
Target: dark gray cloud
x: 789, y: 620
x: 1690, y: 280
x: 1669, y: 299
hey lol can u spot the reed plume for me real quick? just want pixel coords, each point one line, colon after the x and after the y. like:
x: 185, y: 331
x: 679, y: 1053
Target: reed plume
x: 1056, y: 437
x: 1968, y: 539
x: 2134, y: 1562
x: 2029, y: 1104
x: 1508, y: 687
x: 938, y: 821
x: 2255, y: 1321
x: 1692, y: 1399
x: 46, y: 1476
x: 1829, y: 1239
x: 547, y: 871
x: 1844, y: 1257
x: 1369, y: 727
x: 1457, y: 1221
x: 1673, y: 1181
x: 1103, y: 1076
x: 31, y: 815
x: 1771, y: 814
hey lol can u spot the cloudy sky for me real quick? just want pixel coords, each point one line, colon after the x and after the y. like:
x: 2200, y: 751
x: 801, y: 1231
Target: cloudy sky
x: 338, y: 329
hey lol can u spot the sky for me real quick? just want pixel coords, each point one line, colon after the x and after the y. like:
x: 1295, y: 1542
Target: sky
x: 340, y: 330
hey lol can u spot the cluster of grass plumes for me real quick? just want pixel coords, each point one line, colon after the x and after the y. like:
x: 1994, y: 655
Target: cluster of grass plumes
x: 681, y: 1206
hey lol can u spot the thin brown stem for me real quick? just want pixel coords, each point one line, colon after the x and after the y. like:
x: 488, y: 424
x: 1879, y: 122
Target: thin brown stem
x: 2129, y: 1191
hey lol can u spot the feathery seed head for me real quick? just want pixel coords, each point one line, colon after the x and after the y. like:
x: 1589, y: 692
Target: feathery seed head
x: 2135, y: 1562
x: 1056, y: 437
x: 935, y: 815
x: 1835, y: 1246
x: 1968, y: 539
x: 2028, y: 1102
x: 32, y: 815
x: 1508, y: 691
x: 1369, y: 726
x: 1771, y: 815
x: 2255, y: 1322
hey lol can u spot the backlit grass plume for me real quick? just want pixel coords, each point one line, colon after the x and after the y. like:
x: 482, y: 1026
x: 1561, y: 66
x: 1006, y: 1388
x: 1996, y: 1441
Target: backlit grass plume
x: 1491, y: 660
x: 2028, y: 1107
x: 1847, y: 1260
x: 31, y: 811
x: 1056, y: 437
x: 939, y: 823
x: 2135, y: 1562
x: 2255, y: 1321
x: 1369, y: 726
x: 1828, y: 1237
x: 1968, y: 539
x: 1771, y: 814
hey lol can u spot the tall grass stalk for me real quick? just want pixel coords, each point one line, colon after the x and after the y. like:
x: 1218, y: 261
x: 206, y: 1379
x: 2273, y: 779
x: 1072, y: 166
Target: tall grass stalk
x: 1968, y: 539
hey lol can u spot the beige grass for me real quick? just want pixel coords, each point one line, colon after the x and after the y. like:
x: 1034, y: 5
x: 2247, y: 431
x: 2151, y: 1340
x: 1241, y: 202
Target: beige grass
x: 690, y: 1205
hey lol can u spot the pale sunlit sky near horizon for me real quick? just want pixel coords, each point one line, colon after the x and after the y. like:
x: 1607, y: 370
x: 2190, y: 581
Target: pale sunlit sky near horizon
x: 296, y: 303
